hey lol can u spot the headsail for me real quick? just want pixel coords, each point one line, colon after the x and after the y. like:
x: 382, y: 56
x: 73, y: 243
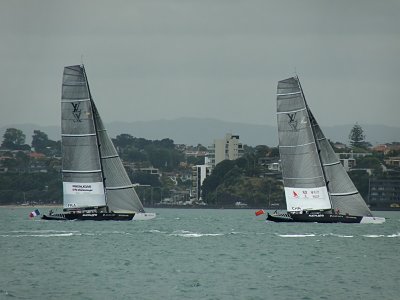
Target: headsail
x: 343, y: 194
x: 120, y: 193
x: 82, y: 175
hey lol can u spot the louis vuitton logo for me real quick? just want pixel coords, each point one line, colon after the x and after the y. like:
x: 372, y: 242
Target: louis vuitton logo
x: 292, y: 121
x: 76, y: 112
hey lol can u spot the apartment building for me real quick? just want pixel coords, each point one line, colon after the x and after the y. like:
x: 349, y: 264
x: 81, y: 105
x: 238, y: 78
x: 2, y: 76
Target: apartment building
x: 229, y: 147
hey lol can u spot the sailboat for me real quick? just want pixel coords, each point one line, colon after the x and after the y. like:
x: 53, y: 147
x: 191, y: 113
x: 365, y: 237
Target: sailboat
x: 95, y: 183
x: 317, y: 187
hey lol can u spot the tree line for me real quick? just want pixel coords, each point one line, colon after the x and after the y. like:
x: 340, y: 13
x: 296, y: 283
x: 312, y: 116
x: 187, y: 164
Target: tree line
x: 244, y: 180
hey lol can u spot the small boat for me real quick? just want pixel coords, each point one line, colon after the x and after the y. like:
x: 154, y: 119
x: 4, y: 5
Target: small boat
x: 317, y: 187
x: 95, y: 183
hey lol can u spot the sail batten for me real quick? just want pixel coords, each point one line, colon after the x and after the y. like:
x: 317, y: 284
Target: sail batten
x: 74, y: 100
x: 344, y: 194
x: 75, y: 84
x: 331, y: 164
x: 78, y: 135
x: 304, y: 178
x: 109, y: 156
x: 78, y: 171
x: 287, y: 94
x: 119, y: 187
x: 290, y: 111
x: 295, y: 146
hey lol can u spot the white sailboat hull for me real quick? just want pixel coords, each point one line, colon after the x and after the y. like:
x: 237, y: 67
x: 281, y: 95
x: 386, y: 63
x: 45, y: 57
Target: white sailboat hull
x: 144, y: 216
x: 372, y: 220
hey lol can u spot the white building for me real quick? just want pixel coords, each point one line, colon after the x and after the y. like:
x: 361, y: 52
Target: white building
x: 199, y: 173
x: 228, y: 148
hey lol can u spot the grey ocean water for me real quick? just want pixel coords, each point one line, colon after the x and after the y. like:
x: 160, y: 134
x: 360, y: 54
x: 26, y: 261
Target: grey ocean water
x: 197, y: 254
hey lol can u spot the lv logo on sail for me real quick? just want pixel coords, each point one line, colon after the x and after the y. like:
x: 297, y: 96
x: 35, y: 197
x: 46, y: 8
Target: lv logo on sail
x: 292, y: 122
x: 76, y: 112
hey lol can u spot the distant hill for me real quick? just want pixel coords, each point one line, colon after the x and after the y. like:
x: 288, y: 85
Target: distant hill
x: 192, y: 131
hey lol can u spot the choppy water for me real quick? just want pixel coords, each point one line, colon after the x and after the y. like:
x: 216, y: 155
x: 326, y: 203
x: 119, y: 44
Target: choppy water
x: 197, y: 254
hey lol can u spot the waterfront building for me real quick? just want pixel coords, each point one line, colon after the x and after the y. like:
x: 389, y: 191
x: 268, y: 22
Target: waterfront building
x: 229, y: 147
x: 199, y: 173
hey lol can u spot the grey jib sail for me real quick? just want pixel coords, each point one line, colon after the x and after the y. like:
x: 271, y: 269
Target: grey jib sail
x: 308, y: 160
x: 120, y: 193
x: 93, y: 174
x: 343, y: 194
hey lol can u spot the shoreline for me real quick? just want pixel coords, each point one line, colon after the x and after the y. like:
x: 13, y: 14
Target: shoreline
x: 31, y: 206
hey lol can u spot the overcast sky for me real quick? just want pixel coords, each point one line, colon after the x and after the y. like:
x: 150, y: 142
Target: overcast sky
x: 221, y: 59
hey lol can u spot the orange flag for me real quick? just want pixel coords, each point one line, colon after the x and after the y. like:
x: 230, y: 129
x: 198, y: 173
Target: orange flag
x: 260, y: 212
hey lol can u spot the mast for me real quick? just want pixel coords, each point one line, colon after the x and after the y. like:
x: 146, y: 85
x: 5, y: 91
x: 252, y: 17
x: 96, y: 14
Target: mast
x: 312, y: 121
x: 97, y: 136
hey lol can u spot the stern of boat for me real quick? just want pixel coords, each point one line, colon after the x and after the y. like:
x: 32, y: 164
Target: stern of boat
x: 144, y: 216
x: 372, y: 220
x: 284, y: 217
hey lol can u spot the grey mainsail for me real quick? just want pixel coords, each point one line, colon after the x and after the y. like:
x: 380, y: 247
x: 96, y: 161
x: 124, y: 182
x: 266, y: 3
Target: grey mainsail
x: 313, y: 176
x: 93, y: 174
x: 305, y: 187
x: 81, y: 171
